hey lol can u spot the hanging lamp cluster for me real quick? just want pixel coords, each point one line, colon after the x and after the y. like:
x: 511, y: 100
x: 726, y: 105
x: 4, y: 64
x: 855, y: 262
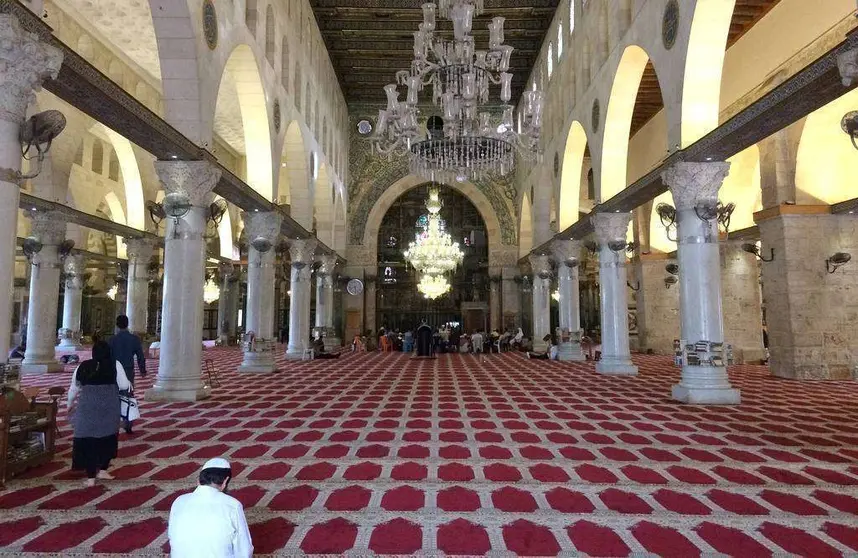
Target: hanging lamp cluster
x: 433, y: 252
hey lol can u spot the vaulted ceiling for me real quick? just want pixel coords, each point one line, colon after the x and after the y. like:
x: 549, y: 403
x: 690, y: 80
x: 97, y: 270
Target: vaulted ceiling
x: 370, y: 40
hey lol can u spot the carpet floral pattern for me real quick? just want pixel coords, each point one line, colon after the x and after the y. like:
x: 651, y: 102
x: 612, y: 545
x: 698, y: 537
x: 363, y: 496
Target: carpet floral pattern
x: 381, y: 454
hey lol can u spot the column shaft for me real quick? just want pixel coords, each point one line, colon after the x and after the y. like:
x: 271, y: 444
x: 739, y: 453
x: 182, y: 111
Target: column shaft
x: 301, y: 252
x: 566, y: 259
x: 70, y: 333
x: 137, y: 294
x: 541, y: 267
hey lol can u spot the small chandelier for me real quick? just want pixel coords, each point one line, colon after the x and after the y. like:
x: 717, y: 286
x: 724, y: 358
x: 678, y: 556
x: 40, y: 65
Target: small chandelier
x: 433, y: 251
x: 465, y: 143
x: 211, y: 292
x: 556, y: 295
x: 433, y: 286
x: 113, y: 291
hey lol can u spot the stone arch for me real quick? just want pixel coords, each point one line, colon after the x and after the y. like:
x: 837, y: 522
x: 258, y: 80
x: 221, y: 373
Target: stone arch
x: 340, y: 224
x: 704, y: 63
x: 613, y: 175
x: 570, y: 177
x: 242, y: 72
x: 294, y: 186
x: 323, y: 206
x: 270, y: 34
x: 406, y: 183
x: 251, y: 16
x: 224, y: 231
x: 525, y: 227
x: 112, y: 207
x: 131, y: 178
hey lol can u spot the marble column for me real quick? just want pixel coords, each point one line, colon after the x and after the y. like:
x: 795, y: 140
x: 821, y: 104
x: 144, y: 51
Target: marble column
x: 566, y: 258
x: 263, y: 229
x: 180, y: 366
x: 611, y: 231
x: 49, y: 229
x: 69, y: 334
x: 26, y: 62
x: 510, y: 298
x: 137, y: 291
x: 226, y: 314
x: 696, y: 185
x: 301, y: 255
x: 541, y: 266
x: 325, y: 301
x: 495, y: 280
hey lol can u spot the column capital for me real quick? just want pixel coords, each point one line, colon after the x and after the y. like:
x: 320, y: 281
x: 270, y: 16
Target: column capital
x: 48, y: 227
x: 140, y: 249
x: 693, y: 184
x: 302, y: 251
x: 195, y: 179
x: 565, y: 251
x: 25, y: 61
x: 541, y: 265
x: 847, y: 64
x: 327, y: 264
x: 265, y: 225
x: 228, y: 271
x: 611, y: 227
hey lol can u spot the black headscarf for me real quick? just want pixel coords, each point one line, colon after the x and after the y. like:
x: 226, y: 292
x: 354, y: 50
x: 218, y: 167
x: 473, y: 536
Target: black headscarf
x: 100, y: 369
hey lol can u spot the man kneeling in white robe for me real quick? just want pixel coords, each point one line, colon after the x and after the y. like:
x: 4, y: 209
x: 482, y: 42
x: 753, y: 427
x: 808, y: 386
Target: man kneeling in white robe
x: 207, y: 523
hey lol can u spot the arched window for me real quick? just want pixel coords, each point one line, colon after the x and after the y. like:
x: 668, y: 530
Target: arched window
x: 113, y: 168
x: 97, y: 157
x: 269, y: 34
x: 250, y: 16
x: 284, y: 64
x: 550, y: 61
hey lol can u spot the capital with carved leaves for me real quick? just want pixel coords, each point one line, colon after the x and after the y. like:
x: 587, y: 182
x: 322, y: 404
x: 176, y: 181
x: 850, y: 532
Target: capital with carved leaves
x: 140, y: 249
x: 541, y: 265
x: 195, y: 179
x: 566, y: 252
x: 302, y: 251
x: 265, y: 225
x: 48, y: 227
x: 327, y: 264
x: 693, y: 184
x: 611, y: 227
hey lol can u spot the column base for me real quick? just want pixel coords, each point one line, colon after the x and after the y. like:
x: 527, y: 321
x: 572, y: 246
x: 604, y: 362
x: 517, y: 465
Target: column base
x: 333, y: 344
x: 616, y: 366
x: 66, y: 349
x: 161, y: 393
x: 706, y: 396
x: 258, y: 363
x: 50, y: 367
x: 295, y: 354
x: 570, y: 352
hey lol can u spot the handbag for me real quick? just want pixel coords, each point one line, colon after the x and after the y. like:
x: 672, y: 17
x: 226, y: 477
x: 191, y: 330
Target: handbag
x: 128, y: 408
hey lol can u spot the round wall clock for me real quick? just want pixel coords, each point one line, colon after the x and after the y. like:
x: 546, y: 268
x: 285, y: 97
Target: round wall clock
x: 354, y: 287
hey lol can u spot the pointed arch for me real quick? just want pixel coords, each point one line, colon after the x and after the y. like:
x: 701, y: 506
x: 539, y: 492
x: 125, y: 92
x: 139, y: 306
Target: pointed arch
x: 131, y: 178
x: 294, y: 184
x: 323, y: 206
x: 242, y: 72
x: 570, y: 177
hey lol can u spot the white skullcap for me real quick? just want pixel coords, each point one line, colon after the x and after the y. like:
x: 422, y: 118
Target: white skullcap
x: 217, y: 463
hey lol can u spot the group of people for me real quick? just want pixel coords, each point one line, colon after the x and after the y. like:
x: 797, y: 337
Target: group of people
x: 444, y: 340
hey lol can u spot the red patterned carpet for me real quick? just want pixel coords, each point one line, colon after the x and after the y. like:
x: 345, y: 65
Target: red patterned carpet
x: 382, y: 454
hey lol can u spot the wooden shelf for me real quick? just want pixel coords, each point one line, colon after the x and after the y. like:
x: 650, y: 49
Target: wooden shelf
x: 16, y: 405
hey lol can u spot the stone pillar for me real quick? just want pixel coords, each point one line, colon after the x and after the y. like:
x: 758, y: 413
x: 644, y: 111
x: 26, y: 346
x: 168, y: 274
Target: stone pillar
x: 184, y: 272
x: 49, y: 229
x: 226, y: 314
x: 495, y: 280
x: 325, y: 301
x: 510, y: 297
x: 301, y: 255
x: 742, y: 306
x: 370, y: 301
x: 541, y: 266
x: 70, y: 333
x: 137, y: 294
x: 566, y: 259
x: 26, y: 62
x: 695, y: 186
x: 611, y: 231
x: 263, y: 229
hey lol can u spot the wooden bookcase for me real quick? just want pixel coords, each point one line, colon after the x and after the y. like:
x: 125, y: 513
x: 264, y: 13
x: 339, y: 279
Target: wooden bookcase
x: 15, y: 409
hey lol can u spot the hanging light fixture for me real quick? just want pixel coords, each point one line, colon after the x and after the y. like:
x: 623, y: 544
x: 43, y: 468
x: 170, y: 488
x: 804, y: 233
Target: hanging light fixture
x: 465, y: 142
x: 433, y: 286
x: 113, y: 291
x: 211, y: 291
x: 433, y: 251
x: 556, y: 295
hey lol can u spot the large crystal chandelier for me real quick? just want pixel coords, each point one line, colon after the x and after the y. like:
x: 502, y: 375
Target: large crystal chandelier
x: 433, y: 251
x: 211, y: 291
x: 433, y: 286
x: 466, y: 142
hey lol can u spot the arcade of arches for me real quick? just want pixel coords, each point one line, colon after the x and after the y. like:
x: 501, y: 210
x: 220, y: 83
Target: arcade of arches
x: 676, y: 269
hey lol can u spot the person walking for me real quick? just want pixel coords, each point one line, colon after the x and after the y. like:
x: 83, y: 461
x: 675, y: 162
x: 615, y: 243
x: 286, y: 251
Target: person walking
x: 93, y: 402
x: 125, y: 347
x: 207, y: 523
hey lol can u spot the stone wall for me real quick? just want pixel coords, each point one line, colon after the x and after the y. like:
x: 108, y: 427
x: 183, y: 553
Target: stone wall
x: 741, y: 303
x: 658, y: 307
x: 811, y: 314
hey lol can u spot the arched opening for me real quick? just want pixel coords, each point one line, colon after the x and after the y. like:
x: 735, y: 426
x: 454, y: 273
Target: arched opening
x: 285, y: 74
x: 398, y: 304
x: 323, y: 207
x: 525, y: 228
x: 97, y: 157
x: 224, y: 231
x: 701, y: 87
x: 251, y: 16
x: 340, y: 225
x: 294, y: 183
x: 269, y: 34
x: 131, y: 179
x: 246, y: 130
x: 570, y: 177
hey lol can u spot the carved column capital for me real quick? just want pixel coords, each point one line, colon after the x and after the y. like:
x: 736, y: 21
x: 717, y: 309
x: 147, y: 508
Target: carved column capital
x: 195, y: 179
x: 48, y: 227
x: 565, y: 251
x: 25, y: 61
x: 302, y: 251
x: 611, y: 227
x: 693, y: 184
x: 541, y: 265
x: 140, y: 249
x: 847, y: 64
x: 327, y: 264
x: 263, y: 225
x: 74, y: 268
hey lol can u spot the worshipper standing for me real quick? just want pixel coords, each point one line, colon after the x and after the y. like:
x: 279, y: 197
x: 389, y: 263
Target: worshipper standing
x: 93, y: 402
x: 477, y: 342
x: 518, y: 339
x: 408, y: 342
x: 125, y: 347
x: 207, y: 523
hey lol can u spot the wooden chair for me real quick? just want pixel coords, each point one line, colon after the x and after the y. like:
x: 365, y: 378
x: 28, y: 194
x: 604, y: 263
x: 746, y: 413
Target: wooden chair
x: 31, y: 393
x: 56, y: 393
x: 212, y: 373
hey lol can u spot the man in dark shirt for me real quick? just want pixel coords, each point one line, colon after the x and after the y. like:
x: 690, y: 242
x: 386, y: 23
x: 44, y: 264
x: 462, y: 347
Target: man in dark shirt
x: 125, y: 346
